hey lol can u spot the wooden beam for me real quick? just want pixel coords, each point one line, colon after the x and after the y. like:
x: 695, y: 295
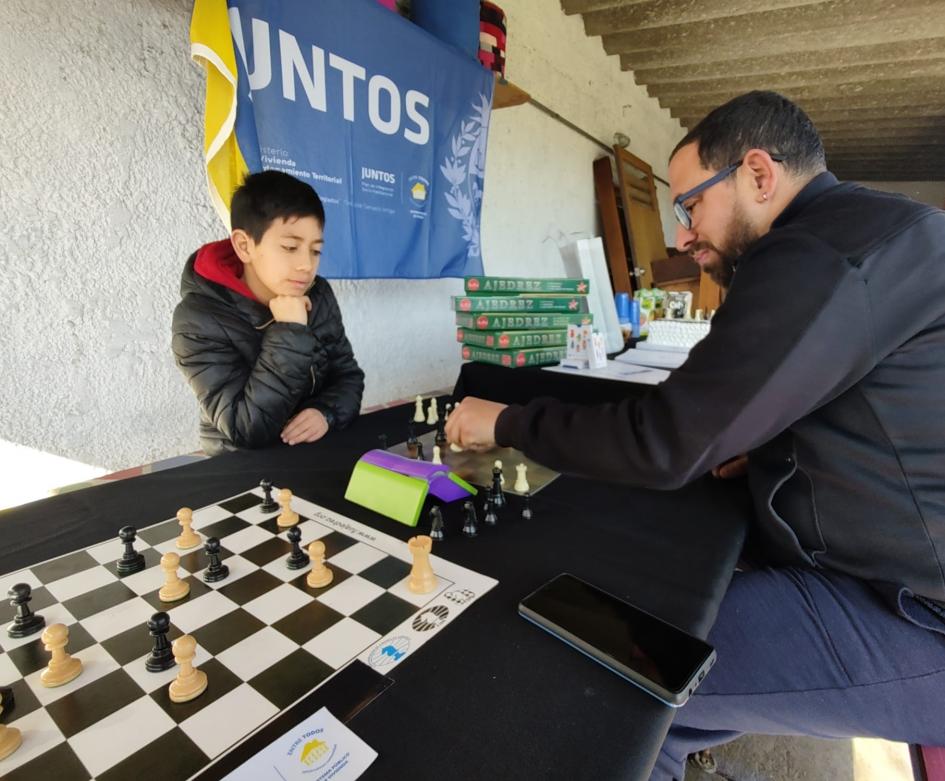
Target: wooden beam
x: 868, y: 58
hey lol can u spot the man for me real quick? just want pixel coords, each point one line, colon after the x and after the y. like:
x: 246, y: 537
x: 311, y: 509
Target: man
x: 826, y: 365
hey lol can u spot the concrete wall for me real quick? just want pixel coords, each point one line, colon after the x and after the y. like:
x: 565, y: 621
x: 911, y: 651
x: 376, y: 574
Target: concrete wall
x: 103, y: 197
x: 932, y: 193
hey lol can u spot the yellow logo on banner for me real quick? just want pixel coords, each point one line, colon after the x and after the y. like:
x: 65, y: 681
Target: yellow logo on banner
x: 419, y: 192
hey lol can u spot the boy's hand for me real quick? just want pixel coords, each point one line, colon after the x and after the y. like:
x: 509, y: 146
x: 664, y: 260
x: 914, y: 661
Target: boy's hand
x: 308, y: 426
x: 291, y: 309
x: 471, y: 424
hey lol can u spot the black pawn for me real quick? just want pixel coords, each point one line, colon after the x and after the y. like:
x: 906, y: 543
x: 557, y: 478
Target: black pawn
x: 215, y: 570
x: 527, y: 509
x: 7, y: 700
x: 420, y: 451
x: 411, y: 433
x: 298, y: 558
x: 490, y: 519
x: 269, y: 505
x: 25, y: 622
x: 470, y: 520
x: 161, y: 657
x: 131, y: 561
x: 497, y: 494
x: 436, y: 524
x: 440, y: 438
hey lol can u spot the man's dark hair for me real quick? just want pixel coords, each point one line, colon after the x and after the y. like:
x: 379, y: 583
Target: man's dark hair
x: 268, y: 196
x: 758, y: 120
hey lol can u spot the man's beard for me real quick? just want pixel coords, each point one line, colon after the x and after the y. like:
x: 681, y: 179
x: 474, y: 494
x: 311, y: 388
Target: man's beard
x: 741, y: 235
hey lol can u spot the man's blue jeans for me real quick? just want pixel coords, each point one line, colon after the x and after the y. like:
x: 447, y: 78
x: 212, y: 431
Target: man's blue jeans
x: 805, y: 652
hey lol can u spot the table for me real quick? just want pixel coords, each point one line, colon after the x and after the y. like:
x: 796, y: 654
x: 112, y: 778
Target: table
x: 493, y: 696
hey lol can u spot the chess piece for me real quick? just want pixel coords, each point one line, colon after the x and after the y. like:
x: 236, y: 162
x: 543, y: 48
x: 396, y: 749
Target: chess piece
x: 433, y: 414
x: 382, y: 438
x: 411, y: 434
x: 190, y: 682
x: 298, y: 559
x: 188, y: 537
x: 521, y: 481
x: 418, y: 416
x: 449, y: 409
x: 62, y: 668
x: 496, y: 494
x: 269, y: 504
x: 436, y: 523
x: 455, y: 448
x: 174, y: 588
x: 215, y: 571
x: 321, y: 574
x: 287, y: 517
x: 161, y: 657
x: 25, y: 622
x: 490, y: 519
x: 422, y: 580
x: 436, y: 455
x: 469, y: 519
x: 420, y: 451
x: 527, y: 508
x: 131, y: 561
x: 10, y: 737
x: 440, y: 438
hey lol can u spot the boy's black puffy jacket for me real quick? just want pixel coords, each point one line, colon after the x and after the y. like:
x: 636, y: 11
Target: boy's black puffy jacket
x: 251, y: 374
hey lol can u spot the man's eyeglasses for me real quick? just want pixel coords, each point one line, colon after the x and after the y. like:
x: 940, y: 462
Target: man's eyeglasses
x: 683, y: 216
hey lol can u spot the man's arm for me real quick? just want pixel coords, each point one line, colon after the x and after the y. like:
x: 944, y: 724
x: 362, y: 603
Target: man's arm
x: 249, y: 405
x: 793, y: 333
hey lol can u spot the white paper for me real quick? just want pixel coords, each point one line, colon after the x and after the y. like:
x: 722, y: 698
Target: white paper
x: 585, y: 258
x: 617, y: 371
x: 662, y: 359
x: 318, y: 749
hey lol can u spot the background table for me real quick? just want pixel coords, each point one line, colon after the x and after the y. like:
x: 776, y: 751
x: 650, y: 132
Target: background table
x: 492, y: 696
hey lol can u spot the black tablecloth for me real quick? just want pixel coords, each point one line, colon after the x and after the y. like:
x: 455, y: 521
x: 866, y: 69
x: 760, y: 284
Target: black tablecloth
x: 491, y: 696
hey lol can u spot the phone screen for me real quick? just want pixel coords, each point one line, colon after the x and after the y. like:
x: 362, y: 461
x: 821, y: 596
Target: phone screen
x: 658, y: 651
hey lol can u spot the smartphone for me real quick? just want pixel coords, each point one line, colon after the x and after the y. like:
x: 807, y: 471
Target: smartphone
x: 660, y: 658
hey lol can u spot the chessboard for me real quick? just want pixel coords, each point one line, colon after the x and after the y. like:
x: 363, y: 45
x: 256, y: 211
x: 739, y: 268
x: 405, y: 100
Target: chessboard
x: 265, y: 639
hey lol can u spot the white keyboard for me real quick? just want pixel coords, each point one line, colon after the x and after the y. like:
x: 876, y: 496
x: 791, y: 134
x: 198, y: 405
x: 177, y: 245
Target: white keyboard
x: 678, y: 335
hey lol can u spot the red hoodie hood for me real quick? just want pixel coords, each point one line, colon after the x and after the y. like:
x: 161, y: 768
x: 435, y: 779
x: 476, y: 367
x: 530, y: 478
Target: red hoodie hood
x: 218, y: 262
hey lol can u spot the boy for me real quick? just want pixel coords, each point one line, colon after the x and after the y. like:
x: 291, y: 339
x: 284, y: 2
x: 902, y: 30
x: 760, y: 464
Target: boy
x: 257, y: 334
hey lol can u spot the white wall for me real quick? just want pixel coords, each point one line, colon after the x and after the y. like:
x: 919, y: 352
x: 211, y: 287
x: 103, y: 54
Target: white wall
x: 103, y: 197
x: 932, y: 193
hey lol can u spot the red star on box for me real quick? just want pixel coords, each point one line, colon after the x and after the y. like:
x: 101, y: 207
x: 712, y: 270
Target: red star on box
x: 473, y: 285
x: 482, y: 322
x: 506, y: 360
x: 520, y: 359
x: 465, y: 304
x: 582, y: 288
x: 503, y: 341
x: 572, y: 305
x: 466, y: 353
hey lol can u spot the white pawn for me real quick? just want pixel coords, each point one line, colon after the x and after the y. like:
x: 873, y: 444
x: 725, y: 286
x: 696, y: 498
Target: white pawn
x: 521, y: 482
x: 188, y: 537
x: 436, y: 455
x: 449, y: 409
x: 321, y: 574
x: 190, y: 682
x: 433, y: 414
x: 288, y: 517
x: 455, y: 448
x: 62, y: 667
x: 498, y: 465
x: 10, y: 737
x: 174, y: 588
x: 418, y: 410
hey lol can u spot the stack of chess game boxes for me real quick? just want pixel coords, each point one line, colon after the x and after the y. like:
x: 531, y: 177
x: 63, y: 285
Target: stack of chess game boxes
x: 519, y: 321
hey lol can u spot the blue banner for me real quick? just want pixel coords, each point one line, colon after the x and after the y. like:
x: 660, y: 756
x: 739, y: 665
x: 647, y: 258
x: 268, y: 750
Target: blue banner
x: 388, y: 124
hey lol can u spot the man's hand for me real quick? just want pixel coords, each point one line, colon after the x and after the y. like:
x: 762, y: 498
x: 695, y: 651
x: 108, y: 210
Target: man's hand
x: 734, y: 467
x: 471, y: 424
x: 291, y: 309
x: 308, y: 426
